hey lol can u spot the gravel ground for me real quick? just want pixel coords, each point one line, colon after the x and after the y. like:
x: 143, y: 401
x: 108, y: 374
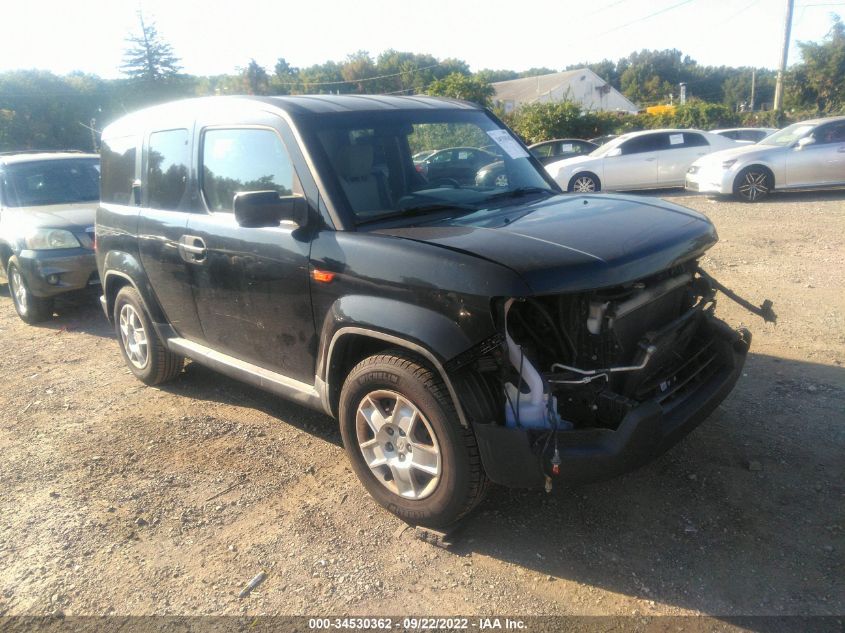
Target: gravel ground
x: 118, y: 498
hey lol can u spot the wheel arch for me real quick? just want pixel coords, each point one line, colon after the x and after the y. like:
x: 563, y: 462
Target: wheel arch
x: 757, y: 165
x: 120, y: 268
x: 351, y: 344
x: 584, y: 172
x: 6, y: 253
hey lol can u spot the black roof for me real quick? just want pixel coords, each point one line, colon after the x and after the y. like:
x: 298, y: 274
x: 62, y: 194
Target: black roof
x: 293, y: 105
x: 357, y: 103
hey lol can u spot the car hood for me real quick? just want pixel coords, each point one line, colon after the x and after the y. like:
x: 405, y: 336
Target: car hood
x: 54, y: 216
x: 740, y: 151
x: 571, y: 243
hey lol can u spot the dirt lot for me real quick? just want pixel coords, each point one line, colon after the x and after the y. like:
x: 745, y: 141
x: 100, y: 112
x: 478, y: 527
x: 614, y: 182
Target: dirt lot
x: 118, y: 498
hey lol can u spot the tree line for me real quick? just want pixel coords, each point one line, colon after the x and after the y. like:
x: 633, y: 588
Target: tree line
x: 41, y: 110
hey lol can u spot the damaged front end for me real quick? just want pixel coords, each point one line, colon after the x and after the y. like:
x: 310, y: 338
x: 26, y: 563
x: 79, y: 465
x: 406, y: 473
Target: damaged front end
x: 596, y: 383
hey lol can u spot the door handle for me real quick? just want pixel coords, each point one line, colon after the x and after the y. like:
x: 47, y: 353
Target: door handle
x: 192, y: 249
x: 841, y: 150
x: 651, y: 160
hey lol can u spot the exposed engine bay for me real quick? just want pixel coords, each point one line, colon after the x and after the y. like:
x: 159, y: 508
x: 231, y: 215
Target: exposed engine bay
x: 585, y: 360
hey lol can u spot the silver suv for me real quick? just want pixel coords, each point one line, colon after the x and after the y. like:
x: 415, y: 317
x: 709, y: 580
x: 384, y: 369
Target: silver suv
x: 809, y: 154
x: 47, y: 205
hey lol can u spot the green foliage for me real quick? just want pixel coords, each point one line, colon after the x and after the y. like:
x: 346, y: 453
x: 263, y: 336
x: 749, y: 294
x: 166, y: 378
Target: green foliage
x: 492, y: 76
x: 439, y: 135
x: 821, y: 77
x: 285, y: 78
x: 458, y: 86
x: 256, y: 81
x: 537, y: 122
x: 39, y: 110
x: 149, y: 58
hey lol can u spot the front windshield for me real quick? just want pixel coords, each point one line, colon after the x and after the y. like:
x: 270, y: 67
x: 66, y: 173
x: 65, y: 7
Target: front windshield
x: 44, y: 182
x: 604, y: 149
x: 788, y: 135
x: 409, y: 162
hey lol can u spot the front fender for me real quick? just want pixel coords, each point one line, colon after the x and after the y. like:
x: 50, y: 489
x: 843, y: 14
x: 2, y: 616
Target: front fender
x: 427, y: 333
x: 442, y: 337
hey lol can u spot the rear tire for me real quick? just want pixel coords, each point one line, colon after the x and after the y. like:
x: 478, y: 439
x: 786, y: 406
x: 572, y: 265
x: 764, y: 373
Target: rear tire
x: 753, y: 184
x: 143, y: 351
x: 30, y: 309
x: 405, y: 442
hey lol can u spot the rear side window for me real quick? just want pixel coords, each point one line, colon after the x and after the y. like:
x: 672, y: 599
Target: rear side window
x: 117, y: 158
x: 691, y: 139
x: 645, y: 143
x: 237, y: 160
x: 167, y: 169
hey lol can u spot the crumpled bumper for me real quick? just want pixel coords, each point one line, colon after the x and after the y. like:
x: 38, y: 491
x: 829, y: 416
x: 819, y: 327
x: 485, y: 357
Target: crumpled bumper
x: 511, y: 456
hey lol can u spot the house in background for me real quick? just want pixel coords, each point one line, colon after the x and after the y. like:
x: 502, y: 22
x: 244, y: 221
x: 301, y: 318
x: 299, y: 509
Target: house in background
x: 582, y: 86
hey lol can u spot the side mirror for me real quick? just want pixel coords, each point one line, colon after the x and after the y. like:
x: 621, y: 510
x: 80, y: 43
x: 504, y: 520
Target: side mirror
x: 803, y: 142
x: 256, y: 209
x: 616, y: 151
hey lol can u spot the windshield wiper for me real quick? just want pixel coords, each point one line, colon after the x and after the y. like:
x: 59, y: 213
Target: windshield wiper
x: 417, y: 210
x: 517, y: 193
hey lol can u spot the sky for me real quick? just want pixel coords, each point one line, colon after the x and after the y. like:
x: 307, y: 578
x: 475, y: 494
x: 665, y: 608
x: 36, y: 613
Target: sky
x: 219, y: 37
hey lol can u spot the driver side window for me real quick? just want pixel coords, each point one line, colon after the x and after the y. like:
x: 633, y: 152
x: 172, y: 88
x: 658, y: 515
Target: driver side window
x: 830, y: 133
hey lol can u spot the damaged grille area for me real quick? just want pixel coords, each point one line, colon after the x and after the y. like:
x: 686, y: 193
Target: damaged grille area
x: 586, y: 360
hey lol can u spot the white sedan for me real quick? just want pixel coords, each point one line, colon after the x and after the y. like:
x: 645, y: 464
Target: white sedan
x: 638, y: 160
x: 809, y: 154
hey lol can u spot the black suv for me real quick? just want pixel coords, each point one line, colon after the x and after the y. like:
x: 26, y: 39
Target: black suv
x: 47, y: 205
x: 460, y: 333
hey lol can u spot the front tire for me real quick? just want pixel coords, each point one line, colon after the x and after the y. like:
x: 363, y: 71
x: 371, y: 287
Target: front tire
x: 405, y: 442
x: 144, y: 352
x: 30, y: 309
x: 753, y: 184
x: 584, y: 183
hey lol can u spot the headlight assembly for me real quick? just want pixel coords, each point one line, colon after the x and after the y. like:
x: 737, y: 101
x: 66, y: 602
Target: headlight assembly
x: 47, y: 239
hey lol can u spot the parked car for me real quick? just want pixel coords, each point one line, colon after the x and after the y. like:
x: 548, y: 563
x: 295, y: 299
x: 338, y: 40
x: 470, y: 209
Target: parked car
x: 460, y: 334
x: 493, y: 174
x: 421, y: 156
x: 601, y: 140
x: 809, y: 154
x: 47, y: 205
x: 454, y: 165
x: 747, y: 134
x: 653, y: 159
x: 550, y: 151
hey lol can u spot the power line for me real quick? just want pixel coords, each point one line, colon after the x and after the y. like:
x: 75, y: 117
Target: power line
x: 645, y: 17
x: 604, y: 8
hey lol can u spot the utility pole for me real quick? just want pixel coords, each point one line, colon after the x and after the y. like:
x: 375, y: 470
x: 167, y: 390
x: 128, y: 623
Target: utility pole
x: 753, y: 86
x: 787, y: 27
x: 94, y: 134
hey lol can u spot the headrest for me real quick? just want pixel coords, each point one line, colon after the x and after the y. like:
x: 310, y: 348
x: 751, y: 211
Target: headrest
x: 354, y: 161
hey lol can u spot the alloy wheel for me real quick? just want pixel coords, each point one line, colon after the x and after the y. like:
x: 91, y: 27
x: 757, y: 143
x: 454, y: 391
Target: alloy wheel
x: 19, y: 290
x: 133, y: 336
x: 754, y: 185
x: 584, y: 184
x: 398, y: 444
